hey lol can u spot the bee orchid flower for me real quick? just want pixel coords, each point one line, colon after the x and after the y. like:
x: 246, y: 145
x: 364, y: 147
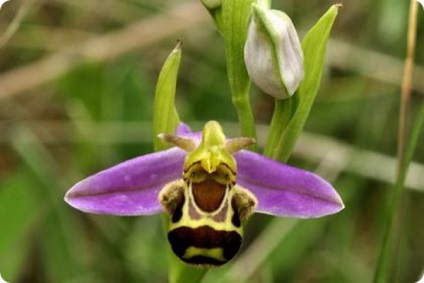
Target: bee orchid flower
x: 208, y: 185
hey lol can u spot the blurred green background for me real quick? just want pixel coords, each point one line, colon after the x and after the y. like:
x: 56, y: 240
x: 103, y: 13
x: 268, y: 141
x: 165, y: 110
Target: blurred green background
x: 77, y: 80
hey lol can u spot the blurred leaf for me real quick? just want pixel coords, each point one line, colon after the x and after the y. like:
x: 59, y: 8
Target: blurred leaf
x: 86, y: 84
x: 17, y: 200
x: 60, y: 234
x: 392, y: 22
x: 127, y: 98
x: 385, y: 259
x: 127, y: 91
x: 180, y: 272
x: 287, y: 256
x: 63, y: 255
x: 18, y: 203
x: 147, y: 250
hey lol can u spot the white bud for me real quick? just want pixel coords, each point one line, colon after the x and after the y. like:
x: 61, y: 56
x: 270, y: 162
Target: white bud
x: 273, y: 54
x: 2, y: 2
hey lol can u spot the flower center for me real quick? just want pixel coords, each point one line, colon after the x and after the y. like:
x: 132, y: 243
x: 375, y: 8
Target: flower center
x: 208, y: 194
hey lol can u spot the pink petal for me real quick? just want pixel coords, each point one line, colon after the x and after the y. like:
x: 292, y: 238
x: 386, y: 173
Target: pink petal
x: 283, y: 190
x: 128, y: 188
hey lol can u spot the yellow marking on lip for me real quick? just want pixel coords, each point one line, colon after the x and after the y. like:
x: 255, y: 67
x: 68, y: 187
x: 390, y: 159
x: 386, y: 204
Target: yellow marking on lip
x: 214, y: 253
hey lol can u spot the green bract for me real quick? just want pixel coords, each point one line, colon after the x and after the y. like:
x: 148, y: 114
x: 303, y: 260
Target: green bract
x: 289, y: 118
x: 166, y: 117
x: 273, y: 53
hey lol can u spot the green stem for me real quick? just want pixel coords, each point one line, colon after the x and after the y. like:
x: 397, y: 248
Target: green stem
x: 244, y: 113
x: 235, y: 15
x: 407, y: 81
x: 382, y: 272
x: 280, y: 119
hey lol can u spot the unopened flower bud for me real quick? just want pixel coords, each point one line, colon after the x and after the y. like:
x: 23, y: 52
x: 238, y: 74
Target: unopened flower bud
x: 273, y: 54
x: 1, y: 4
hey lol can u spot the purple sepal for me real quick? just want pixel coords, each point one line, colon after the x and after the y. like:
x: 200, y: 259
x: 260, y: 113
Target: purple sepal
x: 283, y: 190
x: 129, y: 188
